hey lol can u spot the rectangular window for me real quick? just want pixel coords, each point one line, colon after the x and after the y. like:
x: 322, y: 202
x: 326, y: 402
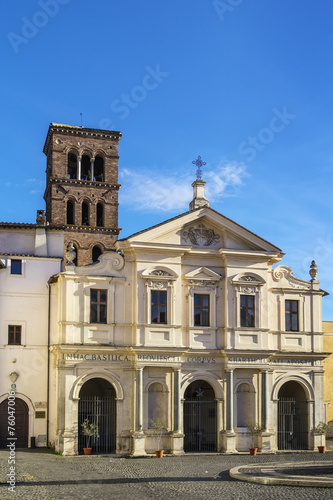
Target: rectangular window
x: 201, y: 309
x: 247, y: 310
x: 158, y: 306
x: 98, y: 306
x: 291, y: 312
x: 16, y: 267
x: 14, y: 335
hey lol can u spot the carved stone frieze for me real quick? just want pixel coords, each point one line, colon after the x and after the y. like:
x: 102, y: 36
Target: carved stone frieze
x: 248, y: 289
x: 201, y: 235
x: 159, y: 272
x: 202, y: 283
x: 249, y: 278
x: 156, y: 285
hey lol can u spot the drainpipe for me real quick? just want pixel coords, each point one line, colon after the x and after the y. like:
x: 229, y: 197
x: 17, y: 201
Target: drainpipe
x: 48, y: 366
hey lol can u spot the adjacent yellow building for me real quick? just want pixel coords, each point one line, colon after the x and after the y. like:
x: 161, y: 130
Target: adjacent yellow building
x: 328, y: 367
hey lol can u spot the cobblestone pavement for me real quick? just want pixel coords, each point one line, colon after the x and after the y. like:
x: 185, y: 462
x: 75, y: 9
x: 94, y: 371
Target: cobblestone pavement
x: 42, y: 475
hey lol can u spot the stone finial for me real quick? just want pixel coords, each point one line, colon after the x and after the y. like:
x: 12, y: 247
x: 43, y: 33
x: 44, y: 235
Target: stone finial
x: 199, y: 200
x: 313, y: 270
x: 70, y: 254
x: 40, y: 219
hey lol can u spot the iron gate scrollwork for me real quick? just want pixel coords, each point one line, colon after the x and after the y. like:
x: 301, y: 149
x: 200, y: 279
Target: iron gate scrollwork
x: 200, y: 418
x: 292, y: 424
x: 102, y: 412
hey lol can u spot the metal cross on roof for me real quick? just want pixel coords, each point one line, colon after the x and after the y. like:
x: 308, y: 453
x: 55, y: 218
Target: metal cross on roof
x: 199, y: 163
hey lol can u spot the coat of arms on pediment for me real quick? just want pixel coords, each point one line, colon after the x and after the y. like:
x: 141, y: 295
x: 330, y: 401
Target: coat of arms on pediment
x: 201, y: 235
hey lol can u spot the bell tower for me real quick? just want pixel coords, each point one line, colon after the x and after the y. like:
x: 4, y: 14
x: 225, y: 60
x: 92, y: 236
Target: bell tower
x: 82, y: 187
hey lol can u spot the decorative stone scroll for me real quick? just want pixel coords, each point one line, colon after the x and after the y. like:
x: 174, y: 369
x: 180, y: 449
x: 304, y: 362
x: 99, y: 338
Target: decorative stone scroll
x: 285, y: 272
x: 201, y: 235
x: 117, y: 262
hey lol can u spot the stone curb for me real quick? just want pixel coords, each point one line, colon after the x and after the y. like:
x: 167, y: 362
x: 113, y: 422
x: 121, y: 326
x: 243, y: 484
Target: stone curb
x: 269, y: 474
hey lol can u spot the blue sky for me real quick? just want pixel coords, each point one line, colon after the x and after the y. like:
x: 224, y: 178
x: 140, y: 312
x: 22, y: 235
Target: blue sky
x: 248, y: 85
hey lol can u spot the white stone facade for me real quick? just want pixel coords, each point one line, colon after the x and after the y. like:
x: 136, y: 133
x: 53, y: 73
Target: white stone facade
x: 24, y: 306
x: 196, y: 329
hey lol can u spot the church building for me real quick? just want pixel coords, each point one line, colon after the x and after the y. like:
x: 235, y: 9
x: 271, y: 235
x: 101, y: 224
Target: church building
x: 192, y: 322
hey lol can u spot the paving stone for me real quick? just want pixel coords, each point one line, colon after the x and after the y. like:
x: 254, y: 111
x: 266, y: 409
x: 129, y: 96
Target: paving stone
x: 43, y: 475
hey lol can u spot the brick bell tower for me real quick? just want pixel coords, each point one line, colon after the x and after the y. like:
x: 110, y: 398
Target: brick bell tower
x: 82, y: 187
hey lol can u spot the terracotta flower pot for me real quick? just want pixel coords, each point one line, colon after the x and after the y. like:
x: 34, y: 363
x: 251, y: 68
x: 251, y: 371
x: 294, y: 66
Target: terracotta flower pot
x: 321, y: 449
x: 87, y: 451
x: 159, y: 453
x: 253, y: 451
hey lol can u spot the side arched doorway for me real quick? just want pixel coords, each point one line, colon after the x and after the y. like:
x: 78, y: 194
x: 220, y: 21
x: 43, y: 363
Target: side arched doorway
x: 293, y: 417
x: 21, y: 422
x: 98, y: 404
x: 200, y: 418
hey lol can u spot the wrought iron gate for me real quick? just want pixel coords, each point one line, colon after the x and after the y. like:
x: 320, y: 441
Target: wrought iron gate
x: 102, y: 412
x: 292, y: 424
x: 200, y: 426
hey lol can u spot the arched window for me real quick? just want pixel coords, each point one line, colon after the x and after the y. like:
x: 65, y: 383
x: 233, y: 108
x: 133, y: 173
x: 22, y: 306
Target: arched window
x: 85, y: 214
x: 71, y: 166
x: 245, y: 405
x: 99, y: 169
x: 85, y: 168
x: 96, y: 252
x: 100, y: 215
x: 70, y: 213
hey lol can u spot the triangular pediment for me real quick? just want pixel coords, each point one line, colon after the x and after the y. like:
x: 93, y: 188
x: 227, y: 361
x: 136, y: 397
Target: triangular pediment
x: 202, y: 273
x: 201, y: 229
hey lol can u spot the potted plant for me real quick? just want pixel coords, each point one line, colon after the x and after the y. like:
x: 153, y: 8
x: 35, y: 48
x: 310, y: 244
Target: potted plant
x: 156, y: 427
x: 321, y: 429
x: 254, y: 430
x: 89, y: 430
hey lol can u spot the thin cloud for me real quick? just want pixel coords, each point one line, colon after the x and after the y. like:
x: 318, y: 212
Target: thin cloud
x: 150, y: 190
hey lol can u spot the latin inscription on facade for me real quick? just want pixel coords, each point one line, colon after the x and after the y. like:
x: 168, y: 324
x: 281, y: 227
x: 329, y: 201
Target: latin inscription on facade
x: 200, y: 359
x: 96, y: 357
x: 156, y: 357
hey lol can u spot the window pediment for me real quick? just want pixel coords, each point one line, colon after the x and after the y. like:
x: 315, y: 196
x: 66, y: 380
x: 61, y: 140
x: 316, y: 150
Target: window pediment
x: 203, y: 276
x: 247, y: 282
x: 159, y: 273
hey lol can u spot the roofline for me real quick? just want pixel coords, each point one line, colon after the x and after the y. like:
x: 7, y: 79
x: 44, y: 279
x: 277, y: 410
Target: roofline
x: 30, y: 255
x: 196, y: 210
x: 79, y: 131
x: 28, y: 225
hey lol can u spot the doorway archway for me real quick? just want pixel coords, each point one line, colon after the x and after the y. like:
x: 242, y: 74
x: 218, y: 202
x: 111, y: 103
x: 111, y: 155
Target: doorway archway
x: 21, y: 423
x: 200, y: 418
x: 293, y: 417
x: 98, y: 404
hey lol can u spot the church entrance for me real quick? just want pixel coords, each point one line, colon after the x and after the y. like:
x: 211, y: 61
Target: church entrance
x: 21, y: 414
x: 293, y: 416
x: 98, y: 404
x: 200, y: 418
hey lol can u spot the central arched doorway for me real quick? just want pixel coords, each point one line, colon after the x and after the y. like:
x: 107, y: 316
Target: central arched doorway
x: 200, y: 418
x: 293, y: 417
x: 20, y: 411
x: 98, y: 404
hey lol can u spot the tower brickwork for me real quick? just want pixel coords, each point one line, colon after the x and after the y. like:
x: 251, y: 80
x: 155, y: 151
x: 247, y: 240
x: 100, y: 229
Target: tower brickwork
x: 82, y: 187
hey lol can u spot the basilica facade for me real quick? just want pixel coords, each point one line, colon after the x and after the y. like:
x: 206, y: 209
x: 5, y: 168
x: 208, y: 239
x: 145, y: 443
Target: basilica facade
x: 194, y: 323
